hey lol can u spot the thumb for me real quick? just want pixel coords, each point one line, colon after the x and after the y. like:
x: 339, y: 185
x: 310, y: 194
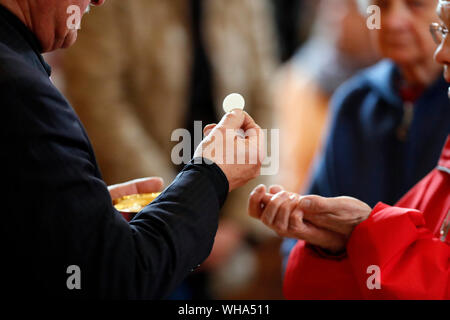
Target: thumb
x: 233, y: 120
x: 254, y: 205
x: 145, y: 185
x: 207, y: 130
x: 315, y: 204
x: 149, y: 185
x: 274, y: 189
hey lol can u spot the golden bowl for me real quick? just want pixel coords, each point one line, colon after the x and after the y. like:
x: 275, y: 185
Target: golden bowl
x: 132, y: 204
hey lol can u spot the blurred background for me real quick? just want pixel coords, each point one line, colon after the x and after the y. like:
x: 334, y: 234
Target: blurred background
x: 143, y: 68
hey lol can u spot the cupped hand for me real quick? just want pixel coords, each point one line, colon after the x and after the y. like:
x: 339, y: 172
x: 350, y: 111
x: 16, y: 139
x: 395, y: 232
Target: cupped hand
x: 144, y: 185
x: 341, y: 214
x: 279, y: 210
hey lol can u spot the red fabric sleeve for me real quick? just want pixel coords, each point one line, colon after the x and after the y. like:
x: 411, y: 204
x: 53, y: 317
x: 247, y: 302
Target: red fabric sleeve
x: 310, y: 276
x: 413, y: 263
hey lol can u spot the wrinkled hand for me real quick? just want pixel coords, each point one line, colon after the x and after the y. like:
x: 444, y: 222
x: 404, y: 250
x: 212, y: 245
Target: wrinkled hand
x: 324, y: 222
x: 341, y: 214
x: 279, y: 210
x: 145, y: 185
x: 239, y: 157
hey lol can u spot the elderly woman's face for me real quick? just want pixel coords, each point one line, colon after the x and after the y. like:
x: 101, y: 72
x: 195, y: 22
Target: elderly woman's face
x: 443, y: 52
x: 404, y: 35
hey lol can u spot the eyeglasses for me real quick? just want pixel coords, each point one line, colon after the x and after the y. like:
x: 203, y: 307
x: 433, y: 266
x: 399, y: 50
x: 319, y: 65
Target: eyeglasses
x: 438, y: 32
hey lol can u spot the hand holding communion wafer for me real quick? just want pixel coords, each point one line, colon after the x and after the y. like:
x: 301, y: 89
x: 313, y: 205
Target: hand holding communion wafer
x: 235, y: 144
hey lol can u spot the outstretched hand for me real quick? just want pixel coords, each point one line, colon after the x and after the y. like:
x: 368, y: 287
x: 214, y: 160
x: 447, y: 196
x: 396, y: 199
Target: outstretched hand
x: 324, y: 222
x: 145, y: 185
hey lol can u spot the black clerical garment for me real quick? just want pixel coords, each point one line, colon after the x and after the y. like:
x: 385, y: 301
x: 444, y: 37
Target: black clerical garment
x: 57, y: 214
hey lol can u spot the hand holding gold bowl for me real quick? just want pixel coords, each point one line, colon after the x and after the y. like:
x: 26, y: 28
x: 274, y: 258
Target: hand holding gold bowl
x: 130, y: 205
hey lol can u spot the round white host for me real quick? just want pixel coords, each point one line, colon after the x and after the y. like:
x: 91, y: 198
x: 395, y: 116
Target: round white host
x: 233, y: 101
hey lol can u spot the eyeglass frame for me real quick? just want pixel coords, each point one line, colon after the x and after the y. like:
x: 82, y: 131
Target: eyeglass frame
x: 437, y: 27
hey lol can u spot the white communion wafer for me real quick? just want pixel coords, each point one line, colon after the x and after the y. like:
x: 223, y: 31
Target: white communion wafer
x: 233, y: 101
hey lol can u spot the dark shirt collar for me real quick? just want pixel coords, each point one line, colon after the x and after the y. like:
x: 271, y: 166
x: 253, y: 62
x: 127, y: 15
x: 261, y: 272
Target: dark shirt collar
x: 27, y: 37
x: 385, y: 78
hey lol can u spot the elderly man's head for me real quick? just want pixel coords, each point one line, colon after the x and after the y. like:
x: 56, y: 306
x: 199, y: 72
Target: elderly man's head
x: 404, y: 35
x: 443, y: 52
x: 48, y: 19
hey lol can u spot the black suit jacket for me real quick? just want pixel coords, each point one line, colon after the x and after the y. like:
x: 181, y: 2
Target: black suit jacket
x: 57, y: 211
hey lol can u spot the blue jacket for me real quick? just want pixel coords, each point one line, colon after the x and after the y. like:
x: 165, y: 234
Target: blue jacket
x: 363, y: 155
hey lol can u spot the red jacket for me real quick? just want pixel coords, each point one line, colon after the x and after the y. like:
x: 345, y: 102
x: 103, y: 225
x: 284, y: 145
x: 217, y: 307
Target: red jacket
x: 408, y: 242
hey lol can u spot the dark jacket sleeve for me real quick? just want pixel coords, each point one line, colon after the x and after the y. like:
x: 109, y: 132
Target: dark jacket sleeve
x: 61, y: 213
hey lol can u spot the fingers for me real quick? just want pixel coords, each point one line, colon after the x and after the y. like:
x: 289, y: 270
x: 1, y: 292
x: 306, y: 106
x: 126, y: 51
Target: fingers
x: 281, y: 221
x: 282, y: 213
x: 255, y: 144
x: 207, y: 130
x: 255, y: 201
x: 274, y: 189
x: 302, y: 229
x: 120, y: 190
x: 144, y: 185
x: 238, y: 119
x: 271, y: 209
x: 316, y: 204
x: 149, y: 185
x: 233, y: 120
x: 274, y: 209
x: 339, y: 214
x: 320, y: 211
x: 266, y: 199
x: 250, y: 124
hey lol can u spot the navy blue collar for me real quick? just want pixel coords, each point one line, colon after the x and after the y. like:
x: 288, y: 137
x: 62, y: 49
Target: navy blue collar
x: 385, y: 78
x: 15, y: 34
